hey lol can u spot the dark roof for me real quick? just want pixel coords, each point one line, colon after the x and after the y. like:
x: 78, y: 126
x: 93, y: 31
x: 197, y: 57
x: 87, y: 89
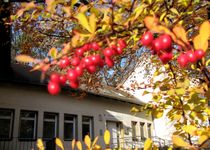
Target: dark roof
x: 21, y: 74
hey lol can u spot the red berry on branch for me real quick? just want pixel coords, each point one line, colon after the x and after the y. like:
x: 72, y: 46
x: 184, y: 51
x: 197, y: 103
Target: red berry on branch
x: 91, y: 69
x: 74, y: 84
x: 95, y: 46
x: 71, y: 75
x: 101, y: 63
x: 95, y: 59
x: 147, y: 38
x: 119, y: 50
x: 79, y: 70
x: 75, y: 61
x: 157, y: 45
x: 199, y: 54
x: 62, y: 79
x: 86, y: 47
x: 64, y: 62
x: 166, y: 57
x: 54, y: 77
x: 53, y: 88
x: 80, y: 52
x: 182, y: 60
x: 166, y: 41
x: 87, y: 61
x: 191, y: 56
x: 109, y: 62
x: 122, y: 43
x: 108, y: 52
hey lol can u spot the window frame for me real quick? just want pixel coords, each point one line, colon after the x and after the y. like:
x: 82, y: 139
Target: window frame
x: 142, y: 134
x: 149, y: 130
x: 75, y: 126
x: 35, y: 130
x: 56, y: 125
x: 134, y: 130
x: 91, y: 126
x: 11, y: 124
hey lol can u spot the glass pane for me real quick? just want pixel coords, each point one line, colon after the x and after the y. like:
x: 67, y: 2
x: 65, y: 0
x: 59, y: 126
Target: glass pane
x: 85, y: 119
x: 49, y: 130
x: 27, y: 129
x: 68, y: 131
x: 50, y: 116
x: 5, y: 113
x: 69, y: 117
x: 85, y: 130
x: 27, y: 114
x: 4, y: 128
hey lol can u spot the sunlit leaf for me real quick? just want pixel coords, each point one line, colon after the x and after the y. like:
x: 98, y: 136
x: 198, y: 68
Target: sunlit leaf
x: 174, y: 10
x: 148, y: 144
x: 157, y: 113
x: 92, y: 22
x: 59, y: 143
x: 73, y: 144
x: 73, y: 2
x: 180, y: 32
x: 95, y: 141
x: 87, y: 141
x: 199, y: 43
x: 79, y: 145
x: 25, y: 59
x: 179, y: 142
x: 150, y: 21
x: 40, y: 144
x: 202, y: 139
x: 84, y: 21
x: 107, y: 137
x: 53, y: 52
x: 190, y: 129
x: 204, y: 31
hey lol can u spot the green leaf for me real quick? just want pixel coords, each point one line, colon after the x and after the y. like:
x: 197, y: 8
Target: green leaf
x: 148, y: 144
x: 84, y: 21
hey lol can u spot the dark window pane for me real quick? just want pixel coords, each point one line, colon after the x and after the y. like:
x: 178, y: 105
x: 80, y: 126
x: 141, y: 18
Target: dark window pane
x: 49, y: 116
x: 27, y: 129
x: 68, y: 131
x: 69, y: 117
x: 85, y: 119
x: 49, y: 130
x: 5, y: 128
x: 5, y: 113
x: 85, y: 130
x: 28, y: 114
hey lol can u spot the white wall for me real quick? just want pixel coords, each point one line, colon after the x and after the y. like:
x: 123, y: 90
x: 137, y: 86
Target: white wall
x: 36, y: 98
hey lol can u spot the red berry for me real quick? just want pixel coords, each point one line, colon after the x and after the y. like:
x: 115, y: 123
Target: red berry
x: 62, y: 79
x: 182, y: 60
x: 119, y: 50
x: 166, y: 57
x: 53, y: 88
x: 191, y: 56
x: 71, y: 75
x: 157, y: 45
x: 101, y: 63
x: 166, y: 41
x: 109, y: 62
x: 91, y: 69
x: 122, y: 43
x: 153, y: 52
x: 86, y: 47
x: 79, y: 70
x: 87, y: 61
x: 75, y: 61
x: 108, y: 52
x: 54, y: 77
x: 80, y: 52
x: 64, y: 62
x: 199, y: 54
x: 95, y: 46
x: 147, y: 39
x: 74, y: 84
x: 95, y: 59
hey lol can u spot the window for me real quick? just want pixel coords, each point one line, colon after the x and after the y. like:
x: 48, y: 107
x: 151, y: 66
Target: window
x: 149, y: 130
x: 87, y: 126
x: 142, y: 130
x: 6, y: 123
x: 28, y: 124
x: 133, y: 125
x: 50, y: 126
x: 70, y: 127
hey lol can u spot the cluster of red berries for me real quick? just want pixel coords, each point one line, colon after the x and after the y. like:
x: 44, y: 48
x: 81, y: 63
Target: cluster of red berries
x: 76, y: 65
x: 162, y: 45
x: 190, y: 57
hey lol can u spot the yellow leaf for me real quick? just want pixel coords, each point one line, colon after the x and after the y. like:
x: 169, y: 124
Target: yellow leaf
x: 150, y: 21
x: 199, y: 43
x: 155, y: 147
x: 74, y: 40
x: 79, y: 145
x: 148, y: 144
x: 84, y: 21
x: 59, y: 143
x: 87, y: 141
x: 25, y: 59
x: 92, y: 22
x: 107, y: 137
x: 179, y: 142
x: 180, y: 32
x: 174, y: 10
x: 40, y: 144
x: 162, y: 16
x: 202, y: 139
x: 190, y: 129
x: 157, y: 113
x: 73, y: 144
x: 204, y: 31
x: 95, y: 141
x: 207, y: 62
x: 53, y: 52
x: 73, y: 2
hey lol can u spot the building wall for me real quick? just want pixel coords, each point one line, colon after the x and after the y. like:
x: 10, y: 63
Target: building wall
x: 101, y: 109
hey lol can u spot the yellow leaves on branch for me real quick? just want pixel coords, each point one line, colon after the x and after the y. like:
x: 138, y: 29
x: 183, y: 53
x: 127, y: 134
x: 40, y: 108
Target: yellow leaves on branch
x: 150, y: 21
x: 59, y: 143
x: 107, y: 137
x: 180, y: 33
x: 25, y: 59
x: 40, y: 144
x: 148, y: 144
x: 179, y: 142
x: 192, y: 130
x: 87, y: 141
